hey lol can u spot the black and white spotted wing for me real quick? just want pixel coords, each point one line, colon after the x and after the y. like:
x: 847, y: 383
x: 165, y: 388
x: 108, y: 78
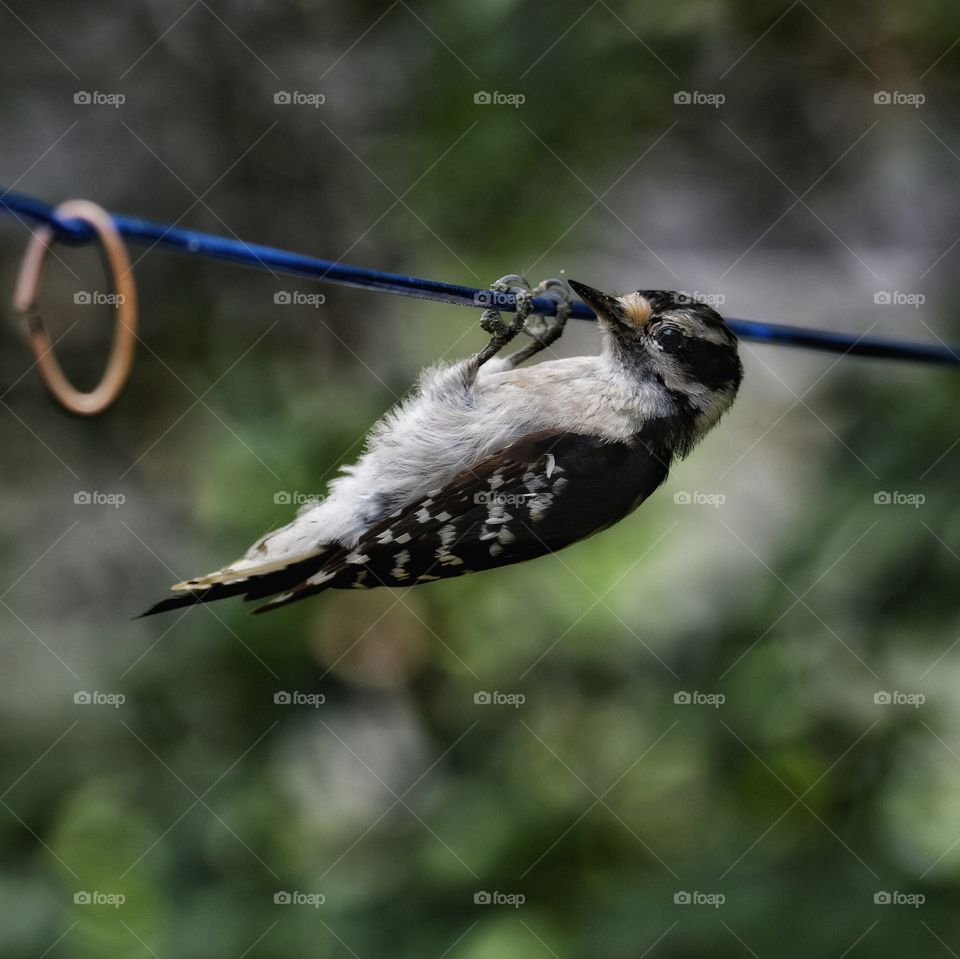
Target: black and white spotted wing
x: 535, y: 496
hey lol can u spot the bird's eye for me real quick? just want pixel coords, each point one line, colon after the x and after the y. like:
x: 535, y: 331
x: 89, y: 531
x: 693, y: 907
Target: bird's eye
x: 669, y: 338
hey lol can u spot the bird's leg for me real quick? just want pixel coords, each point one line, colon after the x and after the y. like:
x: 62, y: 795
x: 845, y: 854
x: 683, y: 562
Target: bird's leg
x: 491, y: 322
x: 543, y: 330
x: 502, y: 333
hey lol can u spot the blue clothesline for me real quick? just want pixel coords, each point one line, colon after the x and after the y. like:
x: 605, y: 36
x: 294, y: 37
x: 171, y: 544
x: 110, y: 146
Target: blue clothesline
x: 297, y: 264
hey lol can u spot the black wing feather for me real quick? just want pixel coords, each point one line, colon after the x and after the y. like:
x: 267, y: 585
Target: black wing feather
x: 536, y: 496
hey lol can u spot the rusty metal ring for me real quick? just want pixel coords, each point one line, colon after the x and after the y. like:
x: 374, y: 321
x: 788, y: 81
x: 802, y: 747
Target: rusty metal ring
x: 125, y: 325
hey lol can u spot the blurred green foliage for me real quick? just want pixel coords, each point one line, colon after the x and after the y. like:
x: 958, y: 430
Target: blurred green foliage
x: 600, y: 800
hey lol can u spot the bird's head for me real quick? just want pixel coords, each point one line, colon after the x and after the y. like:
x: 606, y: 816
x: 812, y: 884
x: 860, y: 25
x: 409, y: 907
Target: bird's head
x: 674, y: 339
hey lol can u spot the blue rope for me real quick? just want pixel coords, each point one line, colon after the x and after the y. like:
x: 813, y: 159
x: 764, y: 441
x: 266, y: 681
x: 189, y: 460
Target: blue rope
x: 282, y: 261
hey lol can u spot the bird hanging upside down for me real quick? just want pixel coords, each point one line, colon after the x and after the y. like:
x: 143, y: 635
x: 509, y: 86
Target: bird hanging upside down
x: 487, y: 464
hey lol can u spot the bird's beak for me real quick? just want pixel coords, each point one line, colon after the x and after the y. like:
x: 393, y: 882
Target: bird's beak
x: 608, y: 308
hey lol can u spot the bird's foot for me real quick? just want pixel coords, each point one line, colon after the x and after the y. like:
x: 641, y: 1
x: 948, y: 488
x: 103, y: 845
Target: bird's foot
x: 548, y: 329
x: 543, y: 330
x: 492, y: 322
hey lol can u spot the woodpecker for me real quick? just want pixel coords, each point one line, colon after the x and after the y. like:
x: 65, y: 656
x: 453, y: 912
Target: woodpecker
x: 488, y: 463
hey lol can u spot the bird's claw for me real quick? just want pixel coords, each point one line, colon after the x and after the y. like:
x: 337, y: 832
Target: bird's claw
x: 500, y: 333
x: 544, y: 328
x: 547, y: 329
x: 491, y: 322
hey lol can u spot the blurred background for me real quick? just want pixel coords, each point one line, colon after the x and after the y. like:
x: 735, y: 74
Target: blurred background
x: 727, y: 727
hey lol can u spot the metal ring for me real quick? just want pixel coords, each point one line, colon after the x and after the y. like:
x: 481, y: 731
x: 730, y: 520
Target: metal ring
x: 27, y: 292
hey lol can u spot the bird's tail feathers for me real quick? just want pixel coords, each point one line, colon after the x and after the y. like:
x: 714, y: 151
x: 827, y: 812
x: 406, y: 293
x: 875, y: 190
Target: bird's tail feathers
x: 254, y: 582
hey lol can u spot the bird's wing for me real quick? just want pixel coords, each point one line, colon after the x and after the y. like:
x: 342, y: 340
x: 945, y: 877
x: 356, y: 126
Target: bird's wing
x: 535, y: 496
